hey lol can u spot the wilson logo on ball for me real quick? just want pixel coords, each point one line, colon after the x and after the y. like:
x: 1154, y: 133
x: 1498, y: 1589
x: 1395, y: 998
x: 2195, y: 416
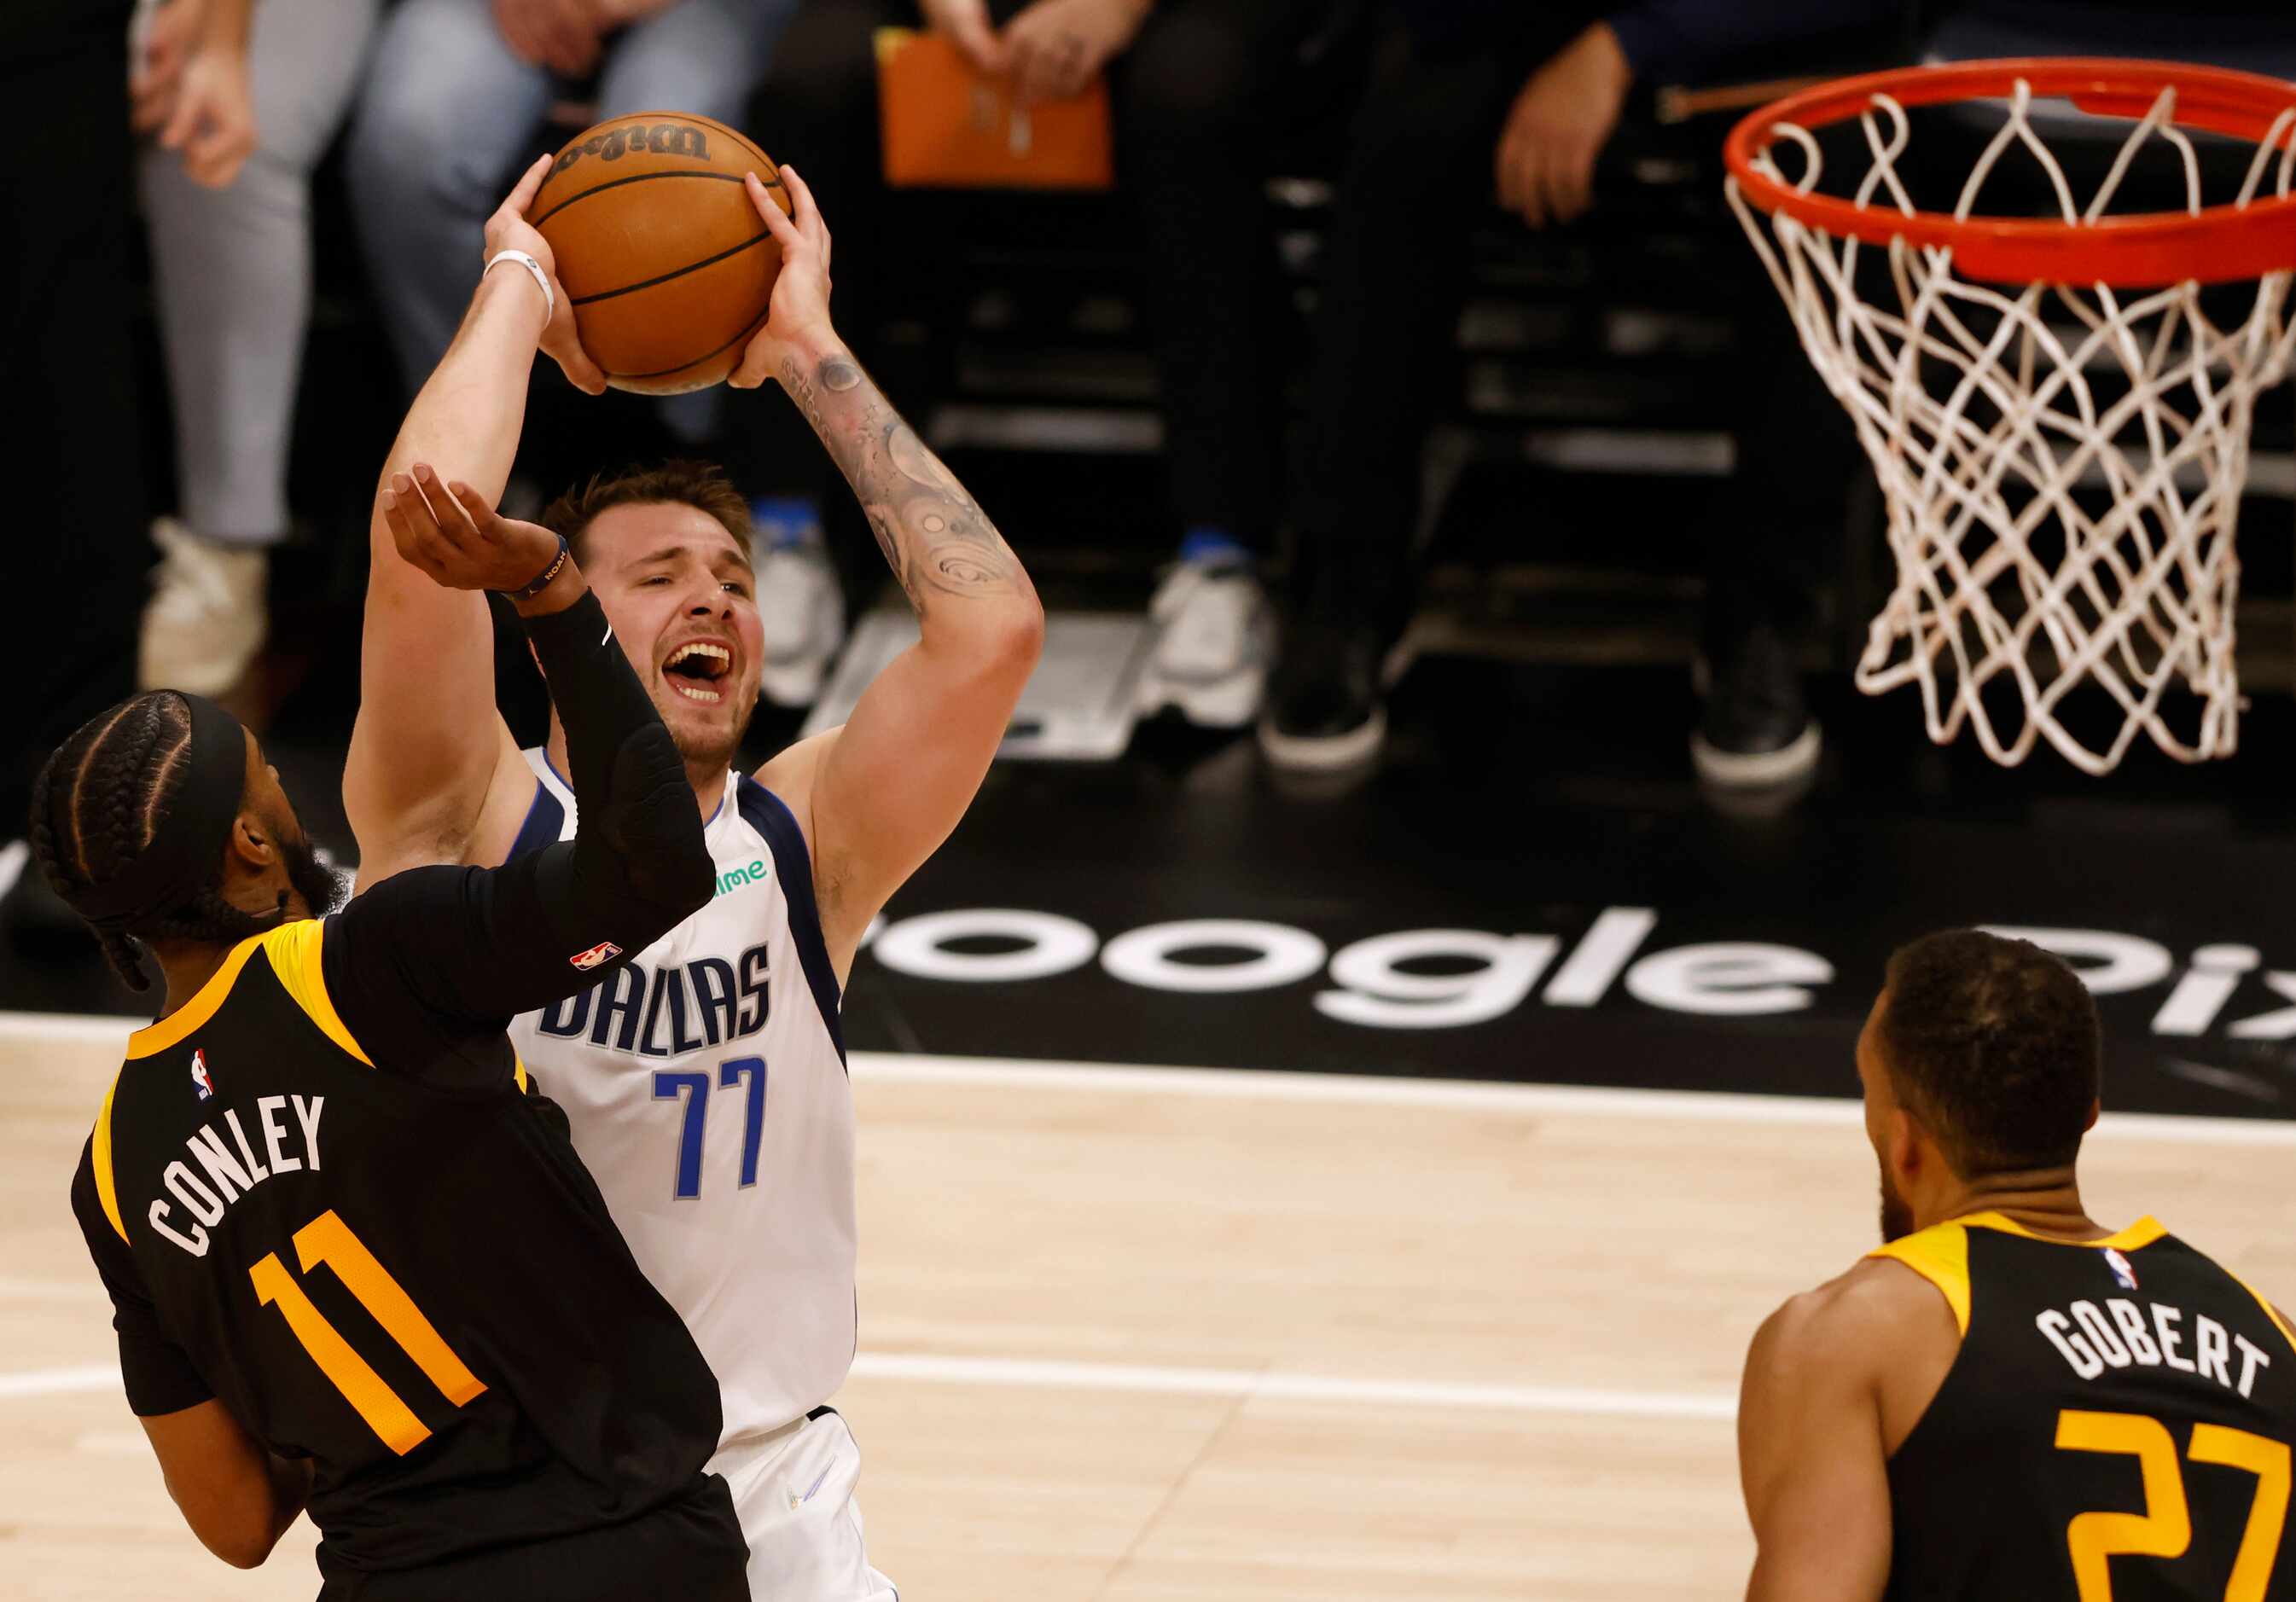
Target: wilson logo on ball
x: 660, y: 139
x: 661, y: 251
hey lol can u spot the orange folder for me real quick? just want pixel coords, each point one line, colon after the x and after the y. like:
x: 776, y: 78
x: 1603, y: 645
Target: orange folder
x: 946, y: 126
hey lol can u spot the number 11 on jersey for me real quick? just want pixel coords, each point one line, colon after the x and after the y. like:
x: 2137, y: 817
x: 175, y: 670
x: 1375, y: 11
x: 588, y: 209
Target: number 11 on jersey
x: 692, y: 1085
x: 327, y: 1241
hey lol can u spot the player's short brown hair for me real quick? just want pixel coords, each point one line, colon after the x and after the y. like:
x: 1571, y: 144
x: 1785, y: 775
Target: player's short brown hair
x: 680, y: 481
x: 1995, y: 1044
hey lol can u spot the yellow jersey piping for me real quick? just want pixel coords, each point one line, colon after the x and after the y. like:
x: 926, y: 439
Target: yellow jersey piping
x: 1939, y: 1254
x: 107, y: 1190
x: 170, y: 1030
x: 2270, y: 1311
x: 2143, y: 1232
x: 294, y: 951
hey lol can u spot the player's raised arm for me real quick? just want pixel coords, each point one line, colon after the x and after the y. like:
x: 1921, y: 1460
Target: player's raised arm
x: 891, y: 784
x: 477, y: 945
x: 429, y: 743
x: 1810, y: 1453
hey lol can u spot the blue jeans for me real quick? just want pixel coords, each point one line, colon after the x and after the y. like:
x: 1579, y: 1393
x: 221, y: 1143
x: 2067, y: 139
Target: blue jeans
x: 233, y: 268
x: 450, y: 116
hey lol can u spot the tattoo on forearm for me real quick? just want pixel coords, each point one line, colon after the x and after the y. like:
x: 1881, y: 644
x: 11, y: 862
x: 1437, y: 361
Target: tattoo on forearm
x: 934, y: 537
x: 801, y: 390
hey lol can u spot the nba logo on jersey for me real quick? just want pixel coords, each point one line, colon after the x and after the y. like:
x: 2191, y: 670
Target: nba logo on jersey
x: 200, y: 1081
x: 2121, y: 1271
x: 606, y: 950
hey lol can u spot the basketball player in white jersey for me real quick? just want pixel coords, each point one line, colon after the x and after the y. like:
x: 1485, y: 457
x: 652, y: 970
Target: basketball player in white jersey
x: 706, y: 1084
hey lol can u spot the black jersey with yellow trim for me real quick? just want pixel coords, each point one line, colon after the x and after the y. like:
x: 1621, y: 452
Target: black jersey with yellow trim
x: 411, y: 1280
x: 2117, y: 1423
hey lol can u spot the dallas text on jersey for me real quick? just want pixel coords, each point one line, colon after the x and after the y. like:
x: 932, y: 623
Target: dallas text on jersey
x: 670, y: 1010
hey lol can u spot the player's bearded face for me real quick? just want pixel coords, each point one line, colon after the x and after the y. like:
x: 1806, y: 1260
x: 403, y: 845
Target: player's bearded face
x: 1880, y: 1104
x: 321, y: 888
x: 678, y: 590
x: 706, y: 732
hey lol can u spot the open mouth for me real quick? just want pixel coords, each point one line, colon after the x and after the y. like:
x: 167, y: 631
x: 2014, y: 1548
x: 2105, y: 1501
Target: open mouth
x: 694, y: 669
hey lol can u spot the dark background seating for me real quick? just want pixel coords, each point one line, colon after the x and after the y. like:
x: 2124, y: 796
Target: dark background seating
x: 1585, y: 426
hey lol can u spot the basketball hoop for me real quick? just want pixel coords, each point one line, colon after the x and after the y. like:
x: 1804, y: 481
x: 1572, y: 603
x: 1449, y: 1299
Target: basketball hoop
x: 2059, y: 426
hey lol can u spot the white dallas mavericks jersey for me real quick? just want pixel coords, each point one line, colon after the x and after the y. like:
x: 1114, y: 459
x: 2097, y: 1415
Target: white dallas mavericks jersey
x: 706, y: 1086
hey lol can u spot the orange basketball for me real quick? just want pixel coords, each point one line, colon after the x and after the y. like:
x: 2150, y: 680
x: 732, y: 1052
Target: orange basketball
x: 665, y: 259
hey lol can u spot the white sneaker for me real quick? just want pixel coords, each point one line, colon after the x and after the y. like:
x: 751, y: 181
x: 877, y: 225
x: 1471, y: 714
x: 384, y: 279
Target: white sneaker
x: 802, y: 613
x: 1215, y: 634
x: 206, y: 618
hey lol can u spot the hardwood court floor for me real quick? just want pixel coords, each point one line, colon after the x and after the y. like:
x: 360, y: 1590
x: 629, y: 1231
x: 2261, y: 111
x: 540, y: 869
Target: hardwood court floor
x: 1139, y: 1335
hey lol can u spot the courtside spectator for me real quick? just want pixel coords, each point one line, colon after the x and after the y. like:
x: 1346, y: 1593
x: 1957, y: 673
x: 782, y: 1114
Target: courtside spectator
x: 1470, y: 100
x: 1195, y: 87
x: 457, y: 102
x: 1775, y: 516
x: 70, y: 452
x: 231, y: 255
x: 1785, y: 500
x: 1415, y: 175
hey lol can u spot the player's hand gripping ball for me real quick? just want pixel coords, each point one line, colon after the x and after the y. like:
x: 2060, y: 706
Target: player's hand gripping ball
x: 659, y: 248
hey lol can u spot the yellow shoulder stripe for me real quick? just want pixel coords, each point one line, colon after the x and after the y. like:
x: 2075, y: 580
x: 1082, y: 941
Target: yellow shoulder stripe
x: 107, y: 1190
x: 1939, y: 1254
x: 171, y: 1029
x: 2143, y: 1232
x: 294, y: 951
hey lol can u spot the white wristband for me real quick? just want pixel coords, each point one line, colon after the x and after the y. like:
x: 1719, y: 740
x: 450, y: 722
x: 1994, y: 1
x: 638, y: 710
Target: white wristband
x: 549, y: 297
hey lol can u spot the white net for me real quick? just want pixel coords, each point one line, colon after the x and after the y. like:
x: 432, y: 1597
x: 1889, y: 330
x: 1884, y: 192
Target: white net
x: 2062, y: 466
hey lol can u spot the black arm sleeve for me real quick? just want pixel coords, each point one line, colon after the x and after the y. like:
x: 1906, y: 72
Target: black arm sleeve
x: 158, y: 1373
x: 427, y: 966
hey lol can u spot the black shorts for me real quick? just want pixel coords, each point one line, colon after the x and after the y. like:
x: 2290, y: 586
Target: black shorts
x: 690, y: 1548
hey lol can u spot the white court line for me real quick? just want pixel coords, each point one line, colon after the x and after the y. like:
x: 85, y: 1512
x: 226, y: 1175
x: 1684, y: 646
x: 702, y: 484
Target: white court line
x: 1254, y: 1084
x: 55, y: 1382
x: 85, y: 1289
x: 1252, y: 1385
x: 68, y: 1028
x: 1035, y: 1374
x: 1369, y: 1089
x: 1708, y: 1107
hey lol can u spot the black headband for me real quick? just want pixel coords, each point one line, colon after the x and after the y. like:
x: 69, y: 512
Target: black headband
x: 186, y: 849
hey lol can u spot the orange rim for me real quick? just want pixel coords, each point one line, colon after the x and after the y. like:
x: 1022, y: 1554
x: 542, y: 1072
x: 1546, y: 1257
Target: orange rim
x: 2216, y: 245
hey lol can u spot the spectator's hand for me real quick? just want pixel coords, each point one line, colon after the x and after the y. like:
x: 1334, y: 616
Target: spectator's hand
x: 1055, y: 47
x: 508, y: 230
x: 1560, y: 123
x: 798, y: 314
x: 169, y: 36
x: 212, y: 118
x: 562, y: 35
x: 966, y: 23
x: 450, y: 532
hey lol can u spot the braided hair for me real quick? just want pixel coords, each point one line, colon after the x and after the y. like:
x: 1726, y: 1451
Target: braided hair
x: 96, y: 804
